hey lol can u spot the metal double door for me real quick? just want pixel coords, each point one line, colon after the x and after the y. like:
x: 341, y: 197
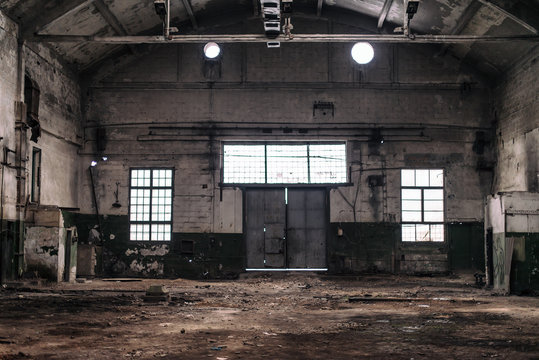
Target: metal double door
x: 285, y: 228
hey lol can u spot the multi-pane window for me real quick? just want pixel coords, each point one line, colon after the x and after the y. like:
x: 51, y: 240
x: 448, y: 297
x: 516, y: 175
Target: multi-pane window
x: 422, y: 196
x: 150, y: 210
x: 308, y: 163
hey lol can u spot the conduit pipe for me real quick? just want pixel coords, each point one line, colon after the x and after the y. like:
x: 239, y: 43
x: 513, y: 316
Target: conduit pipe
x: 302, y: 38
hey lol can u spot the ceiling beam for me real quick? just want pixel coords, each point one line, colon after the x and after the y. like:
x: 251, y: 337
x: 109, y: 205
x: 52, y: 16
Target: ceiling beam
x: 383, y: 13
x: 49, y: 13
x: 509, y: 15
x: 110, y: 18
x: 319, y: 7
x: 298, y: 38
x: 113, y: 21
x: 467, y: 15
x: 189, y: 9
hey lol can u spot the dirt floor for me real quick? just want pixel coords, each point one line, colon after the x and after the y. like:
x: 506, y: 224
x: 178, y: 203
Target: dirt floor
x: 278, y: 316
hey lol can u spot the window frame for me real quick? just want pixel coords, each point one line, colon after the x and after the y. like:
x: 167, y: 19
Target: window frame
x: 151, y: 187
x: 267, y: 184
x: 422, y: 201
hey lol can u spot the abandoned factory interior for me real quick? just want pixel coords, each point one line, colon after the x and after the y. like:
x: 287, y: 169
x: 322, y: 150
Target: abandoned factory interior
x: 280, y: 179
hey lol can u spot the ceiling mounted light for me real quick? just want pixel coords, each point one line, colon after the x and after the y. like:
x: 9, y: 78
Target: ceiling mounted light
x: 362, y: 52
x: 160, y: 8
x: 411, y: 8
x: 212, y: 50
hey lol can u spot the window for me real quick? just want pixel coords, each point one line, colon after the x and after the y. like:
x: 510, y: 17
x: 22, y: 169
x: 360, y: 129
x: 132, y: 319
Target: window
x: 150, y: 209
x: 422, y: 201
x: 308, y: 163
x: 36, y: 175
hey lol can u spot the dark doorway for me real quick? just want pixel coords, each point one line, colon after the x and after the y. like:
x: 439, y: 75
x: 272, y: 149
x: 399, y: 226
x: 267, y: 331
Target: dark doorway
x: 67, y: 261
x: 490, y: 256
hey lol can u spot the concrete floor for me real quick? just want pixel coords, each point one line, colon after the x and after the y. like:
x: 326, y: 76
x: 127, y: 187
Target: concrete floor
x: 278, y: 316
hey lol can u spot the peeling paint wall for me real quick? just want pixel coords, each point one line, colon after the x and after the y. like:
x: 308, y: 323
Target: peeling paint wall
x: 8, y: 96
x: 61, y: 136
x: 44, y: 252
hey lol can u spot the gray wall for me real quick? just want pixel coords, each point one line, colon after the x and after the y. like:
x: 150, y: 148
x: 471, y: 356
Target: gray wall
x: 161, y: 110
x: 517, y: 100
x: 59, y: 114
x: 60, y: 140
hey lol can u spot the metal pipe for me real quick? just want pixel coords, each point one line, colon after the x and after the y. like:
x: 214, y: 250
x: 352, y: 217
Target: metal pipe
x: 20, y: 157
x: 301, y: 38
x: 405, y: 20
x: 95, y: 203
x: 167, y: 29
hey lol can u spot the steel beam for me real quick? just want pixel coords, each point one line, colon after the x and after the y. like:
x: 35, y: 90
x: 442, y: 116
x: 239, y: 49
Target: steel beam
x: 109, y: 17
x: 319, y: 7
x: 51, y: 12
x: 298, y: 38
x: 113, y: 21
x: 383, y: 13
x: 190, y: 12
x: 509, y: 15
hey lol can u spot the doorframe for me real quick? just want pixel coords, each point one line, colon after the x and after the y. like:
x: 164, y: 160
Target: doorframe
x: 327, y: 219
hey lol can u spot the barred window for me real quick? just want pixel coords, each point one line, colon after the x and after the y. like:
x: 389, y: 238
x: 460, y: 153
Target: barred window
x: 303, y: 163
x: 150, y: 204
x: 422, y: 204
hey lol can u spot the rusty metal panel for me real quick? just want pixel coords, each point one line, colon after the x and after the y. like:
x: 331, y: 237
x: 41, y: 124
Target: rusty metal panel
x: 254, y: 227
x: 264, y: 227
x: 307, y: 228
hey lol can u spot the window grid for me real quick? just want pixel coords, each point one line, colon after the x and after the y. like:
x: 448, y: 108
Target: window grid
x: 422, y: 205
x: 284, y: 163
x: 150, y: 208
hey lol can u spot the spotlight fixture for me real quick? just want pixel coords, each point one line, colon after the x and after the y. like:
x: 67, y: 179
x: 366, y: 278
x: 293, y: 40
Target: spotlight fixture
x: 160, y: 8
x: 93, y: 163
x: 362, y: 52
x: 104, y: 158
x: 273, y: 44
x: 211, y: 50
x: 411, y: 8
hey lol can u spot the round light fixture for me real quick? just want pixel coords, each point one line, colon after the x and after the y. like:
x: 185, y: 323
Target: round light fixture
x: 362, y: 52
x: 212, y: 50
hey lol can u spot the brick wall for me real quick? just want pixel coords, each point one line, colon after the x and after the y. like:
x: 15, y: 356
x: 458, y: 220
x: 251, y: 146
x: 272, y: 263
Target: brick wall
x: 517, y: 107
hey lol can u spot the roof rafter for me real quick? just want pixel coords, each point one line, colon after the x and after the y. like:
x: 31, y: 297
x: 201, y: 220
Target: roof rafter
x: 189, y: 9
x: 383, y: 13
x: 49, y: 13
x: 110, y: 18
x: 507, y: 13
